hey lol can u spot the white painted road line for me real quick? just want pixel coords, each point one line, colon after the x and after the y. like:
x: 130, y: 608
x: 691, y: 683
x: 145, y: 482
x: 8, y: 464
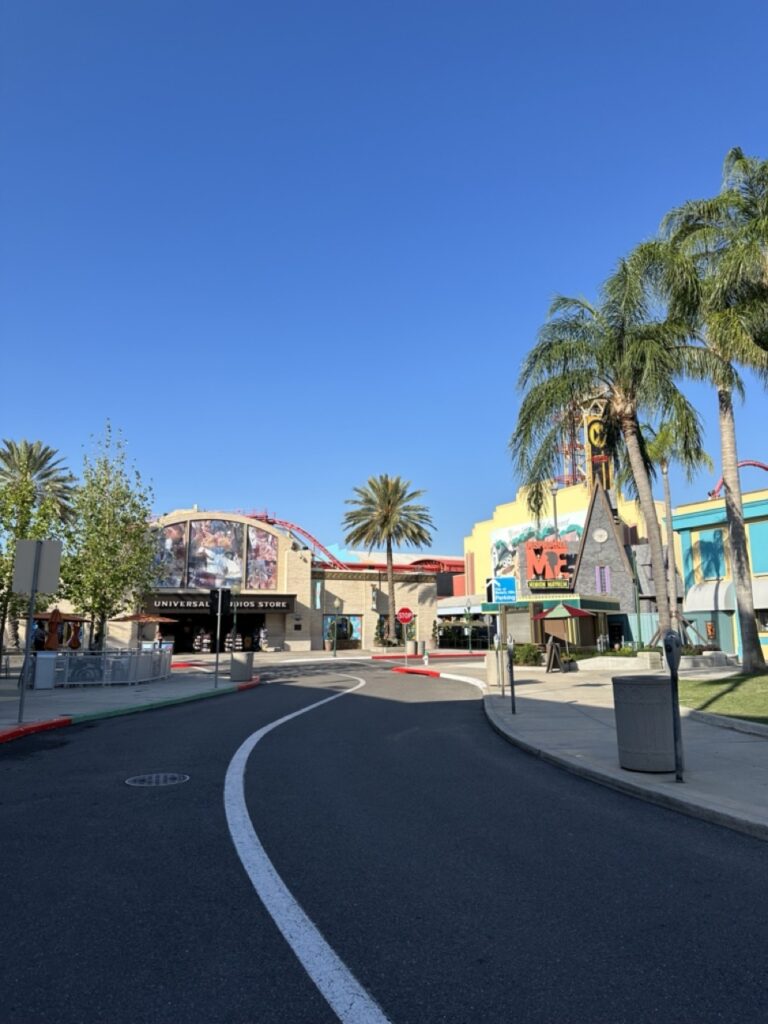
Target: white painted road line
x: 343, y: 993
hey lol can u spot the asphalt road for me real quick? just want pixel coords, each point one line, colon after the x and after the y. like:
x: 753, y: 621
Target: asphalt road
x: 460, y: 880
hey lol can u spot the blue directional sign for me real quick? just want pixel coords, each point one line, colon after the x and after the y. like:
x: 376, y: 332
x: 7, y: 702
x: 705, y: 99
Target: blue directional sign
x: 504, y: 589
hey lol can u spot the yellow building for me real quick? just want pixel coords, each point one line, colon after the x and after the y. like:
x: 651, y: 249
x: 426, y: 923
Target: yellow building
x: 490, y: 548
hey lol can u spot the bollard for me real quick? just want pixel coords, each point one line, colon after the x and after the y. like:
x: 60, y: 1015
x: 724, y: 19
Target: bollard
x: 425, y: 659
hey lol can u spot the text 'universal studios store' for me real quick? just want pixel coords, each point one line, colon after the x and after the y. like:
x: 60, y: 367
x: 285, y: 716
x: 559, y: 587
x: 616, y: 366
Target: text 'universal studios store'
x: 275, y: 586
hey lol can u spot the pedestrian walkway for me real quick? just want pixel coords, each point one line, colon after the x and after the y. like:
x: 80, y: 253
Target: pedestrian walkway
x: 568, y: 720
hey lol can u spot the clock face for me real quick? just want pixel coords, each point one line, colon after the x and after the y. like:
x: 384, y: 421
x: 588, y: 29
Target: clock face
x: 600, y: 536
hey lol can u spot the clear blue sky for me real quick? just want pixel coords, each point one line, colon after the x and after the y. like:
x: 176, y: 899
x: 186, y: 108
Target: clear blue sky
x: 286, y: 246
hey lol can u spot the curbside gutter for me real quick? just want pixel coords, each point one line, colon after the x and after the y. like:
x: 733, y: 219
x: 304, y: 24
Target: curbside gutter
x: 18, y: 732
x: 619, y: 782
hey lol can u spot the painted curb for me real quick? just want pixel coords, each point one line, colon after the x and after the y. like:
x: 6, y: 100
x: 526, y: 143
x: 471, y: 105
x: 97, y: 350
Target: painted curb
x: 16, y: 732
x: 415, y: 671
x: 27, y: 729
x: 756, y: 829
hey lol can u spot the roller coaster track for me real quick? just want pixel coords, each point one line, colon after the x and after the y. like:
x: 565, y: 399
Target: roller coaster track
x: 332, y: 560
x: 715, y: 492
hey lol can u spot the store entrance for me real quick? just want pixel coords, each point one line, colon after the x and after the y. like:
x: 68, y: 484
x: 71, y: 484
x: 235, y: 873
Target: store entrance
x: 196, y: 634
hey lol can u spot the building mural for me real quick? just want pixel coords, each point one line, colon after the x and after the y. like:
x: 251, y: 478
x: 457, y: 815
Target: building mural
x: 509, y: 544
x: 261, y: 573
x: 215, y: 553
x: 171, y: 555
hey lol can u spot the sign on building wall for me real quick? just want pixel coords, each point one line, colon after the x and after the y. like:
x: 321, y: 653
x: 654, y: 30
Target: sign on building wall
x: 598, y: 460
x: 549, y: 565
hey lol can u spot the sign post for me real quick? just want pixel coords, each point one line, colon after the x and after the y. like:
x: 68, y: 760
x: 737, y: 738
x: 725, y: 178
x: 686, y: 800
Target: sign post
x: 673, y: 650
x: 505, y: 594
x: 405, y: 617
x: 36, y: 567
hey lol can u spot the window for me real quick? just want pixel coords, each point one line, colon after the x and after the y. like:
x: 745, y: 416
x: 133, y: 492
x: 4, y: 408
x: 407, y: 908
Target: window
x: 602, y: 579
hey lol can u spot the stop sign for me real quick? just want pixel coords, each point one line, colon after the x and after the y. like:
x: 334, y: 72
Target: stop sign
x: 404, y: 616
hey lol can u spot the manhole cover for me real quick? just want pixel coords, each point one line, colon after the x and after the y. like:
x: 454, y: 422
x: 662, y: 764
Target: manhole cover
x: 157, y: 779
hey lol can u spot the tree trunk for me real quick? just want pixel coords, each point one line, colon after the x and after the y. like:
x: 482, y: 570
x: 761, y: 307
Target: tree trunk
x: 629, y: 430
x: 674, y: 611
x: 391, y: 587
x: 752, y: 659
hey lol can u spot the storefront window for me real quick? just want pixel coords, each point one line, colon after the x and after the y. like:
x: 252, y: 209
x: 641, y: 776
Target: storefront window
x: 170, y: 555
x: 262, y: 560
x: 348, y: 627
x: 215, y: 553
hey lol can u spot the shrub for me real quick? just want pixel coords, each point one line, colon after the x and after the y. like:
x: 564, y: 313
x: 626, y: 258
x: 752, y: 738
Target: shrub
x: 527, y: 654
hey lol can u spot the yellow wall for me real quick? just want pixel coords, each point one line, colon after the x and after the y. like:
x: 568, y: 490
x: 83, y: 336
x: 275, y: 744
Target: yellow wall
x: 515, y: 513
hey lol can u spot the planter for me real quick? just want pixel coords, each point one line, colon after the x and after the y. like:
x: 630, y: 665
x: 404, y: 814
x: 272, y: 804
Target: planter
x: 327, y: 645
x: 241, y: 667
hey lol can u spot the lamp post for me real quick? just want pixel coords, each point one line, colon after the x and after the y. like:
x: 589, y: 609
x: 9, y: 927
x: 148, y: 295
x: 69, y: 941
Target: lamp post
x: 468, y: 611
x: 336, y: 606
x: 553, y: 491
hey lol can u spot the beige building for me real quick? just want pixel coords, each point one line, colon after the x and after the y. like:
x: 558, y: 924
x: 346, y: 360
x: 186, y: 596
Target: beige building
x: 275, y: 585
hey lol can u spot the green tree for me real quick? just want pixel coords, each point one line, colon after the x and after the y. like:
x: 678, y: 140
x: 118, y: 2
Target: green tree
x: 36, y: 492
x: 716, y: 270
x: 622, y: 355
x: 384, y: 513
x: 109, y: 558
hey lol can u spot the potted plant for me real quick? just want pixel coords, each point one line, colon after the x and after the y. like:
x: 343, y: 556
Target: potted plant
x: 330, y: 636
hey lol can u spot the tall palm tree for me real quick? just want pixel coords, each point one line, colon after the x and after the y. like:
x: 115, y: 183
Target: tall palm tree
x: 384, y: 513
x: 31, y: 476
x: 620, y: 354
x: 725, y: 240
x: 663, y: 448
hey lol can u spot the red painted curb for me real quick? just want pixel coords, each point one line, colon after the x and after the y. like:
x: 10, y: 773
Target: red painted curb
x: 416, y: 671
x: 17, y: 731
x: 249, y: 686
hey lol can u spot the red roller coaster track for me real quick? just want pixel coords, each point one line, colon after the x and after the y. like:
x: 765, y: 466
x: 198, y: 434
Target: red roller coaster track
x: 715, y: 493
x: 301, y: 532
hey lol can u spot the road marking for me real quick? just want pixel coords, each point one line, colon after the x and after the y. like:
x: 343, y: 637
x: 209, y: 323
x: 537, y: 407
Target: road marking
x: 343, y: 993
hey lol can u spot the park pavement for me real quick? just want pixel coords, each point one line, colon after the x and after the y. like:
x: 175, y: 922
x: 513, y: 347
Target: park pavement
x: 566, y: 719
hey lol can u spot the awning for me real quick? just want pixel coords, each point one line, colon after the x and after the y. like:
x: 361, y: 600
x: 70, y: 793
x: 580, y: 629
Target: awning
x: 760, y: 591
x: 565, y: 611
x: 711, y: 596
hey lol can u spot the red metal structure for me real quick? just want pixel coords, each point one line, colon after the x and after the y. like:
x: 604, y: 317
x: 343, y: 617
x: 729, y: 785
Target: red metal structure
x: 715, y: 493
x: 328, y: 558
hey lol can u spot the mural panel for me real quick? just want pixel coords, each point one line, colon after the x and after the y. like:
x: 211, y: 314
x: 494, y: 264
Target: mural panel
x: 506, y: 542
x: 170, y: 555
x: 262, y: 560
x: 215, y: 553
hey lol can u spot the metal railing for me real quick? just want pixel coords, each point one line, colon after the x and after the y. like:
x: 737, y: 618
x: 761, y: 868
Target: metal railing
x: 103, y: 668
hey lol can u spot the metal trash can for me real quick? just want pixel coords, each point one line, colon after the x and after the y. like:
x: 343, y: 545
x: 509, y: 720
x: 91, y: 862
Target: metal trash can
x: 644, y: 731
x: 241, y: 667
x: 45, y: 670
x: 421, y: 647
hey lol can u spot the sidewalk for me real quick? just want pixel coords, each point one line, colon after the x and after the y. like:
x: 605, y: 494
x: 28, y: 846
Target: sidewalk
x: 568, y: 720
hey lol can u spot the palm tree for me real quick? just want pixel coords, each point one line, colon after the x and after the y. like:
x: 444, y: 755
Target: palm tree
x: 725, y: 240
x: 33, y: 483
x: 617, y: 354
x: 385, y: 513
x: 663, y: 448
x: 34, y: 465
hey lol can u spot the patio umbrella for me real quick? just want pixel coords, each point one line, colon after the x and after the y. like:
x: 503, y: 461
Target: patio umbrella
x: 52, y: 639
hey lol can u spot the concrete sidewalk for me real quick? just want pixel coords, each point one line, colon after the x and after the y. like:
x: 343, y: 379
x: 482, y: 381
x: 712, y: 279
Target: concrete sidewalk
x: 568, y: 720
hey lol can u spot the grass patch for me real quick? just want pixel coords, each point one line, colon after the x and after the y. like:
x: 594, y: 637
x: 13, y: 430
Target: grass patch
x: 744, y: 697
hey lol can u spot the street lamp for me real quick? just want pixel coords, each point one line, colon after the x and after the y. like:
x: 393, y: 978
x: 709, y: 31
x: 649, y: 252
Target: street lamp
x: 553, y: 491
x: 336, y: 606
x: 469, y: 623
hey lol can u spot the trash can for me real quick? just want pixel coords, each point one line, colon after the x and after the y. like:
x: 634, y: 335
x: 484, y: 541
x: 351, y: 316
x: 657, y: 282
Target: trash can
x: 421, y: 647
x: 410, y: 647
x: 241, y: 666
x: 45, y: 670
x: 644, y: 731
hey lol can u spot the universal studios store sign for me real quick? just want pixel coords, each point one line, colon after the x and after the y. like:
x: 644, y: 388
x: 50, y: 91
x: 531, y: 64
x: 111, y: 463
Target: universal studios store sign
x: 239, y: 602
